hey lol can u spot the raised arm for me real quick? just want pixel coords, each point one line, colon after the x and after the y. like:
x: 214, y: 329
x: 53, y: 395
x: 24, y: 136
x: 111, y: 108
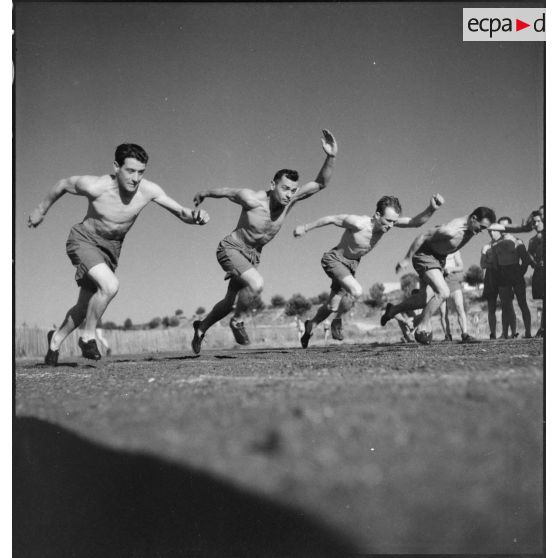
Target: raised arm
x: 329, y: 145
x: 418, y: 220
x: 190, y: 216
x: 350, y: 222
x: 77, y: 185
x: 242, y: 196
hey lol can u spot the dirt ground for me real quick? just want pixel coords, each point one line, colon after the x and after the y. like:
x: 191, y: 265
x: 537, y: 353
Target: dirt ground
x: 376, y: 448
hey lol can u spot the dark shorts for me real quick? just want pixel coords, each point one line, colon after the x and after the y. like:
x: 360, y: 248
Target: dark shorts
x: 510, y: 276
x: 454, y: 281
x: 338, y: 267
x: 235, y: 257
x: 490, y: 289
x: 423, y: 262
x: 538, y: 282
x: 86, y: 250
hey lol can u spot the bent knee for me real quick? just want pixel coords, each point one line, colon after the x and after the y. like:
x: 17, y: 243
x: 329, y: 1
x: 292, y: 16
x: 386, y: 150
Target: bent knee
x: 444, y: 293
x: 109, y: 287
x: 355, y: 291
x: 257, y: 286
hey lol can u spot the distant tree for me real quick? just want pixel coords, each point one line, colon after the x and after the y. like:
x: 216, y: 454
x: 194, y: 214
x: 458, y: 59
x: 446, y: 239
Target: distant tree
x: 128, y: 324
x: 200, y: 311
x: 109, y: 325
x: 474, y: 276
x: 297, y: 305
x: 180, y: 312
x: 155, y: 322
x: 247, y: 302
x: 409, y: 281
x: 320, y: 299
x: 165, y: 321
x: 174, y: 321
x: 278, y: 301
x: 375, y: 295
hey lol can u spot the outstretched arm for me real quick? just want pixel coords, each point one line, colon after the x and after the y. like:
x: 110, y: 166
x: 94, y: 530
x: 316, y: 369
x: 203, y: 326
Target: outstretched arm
x: 190, y: 216
x: 242, y: 196
x: 418, y: 220
x: 73, y: 185
x: 525, y: 226
x: 329, y: 145
x: 351, y: 222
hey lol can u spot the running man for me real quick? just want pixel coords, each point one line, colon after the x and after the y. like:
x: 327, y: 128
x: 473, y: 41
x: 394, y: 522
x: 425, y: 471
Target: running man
x: 512, y: 262
x: 490, y: 286
x: 362, y: 233
x: 93, y: 246
x: 536, y: 257
x: 428, y: 254
x: 453, y: 274
x: 263, y: 213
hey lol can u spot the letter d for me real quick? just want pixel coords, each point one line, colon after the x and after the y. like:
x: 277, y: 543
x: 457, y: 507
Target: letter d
x: 538, y: 26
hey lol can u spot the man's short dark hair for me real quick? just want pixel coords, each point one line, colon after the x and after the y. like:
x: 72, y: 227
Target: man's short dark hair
x: 132, y: 150
x: 388, y: 201
x: 290, y: 174
x: 484, y: 213
x: 505, y: 218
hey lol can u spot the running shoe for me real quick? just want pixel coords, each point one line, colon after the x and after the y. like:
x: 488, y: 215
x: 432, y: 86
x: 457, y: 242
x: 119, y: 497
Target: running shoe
x: 466, y: 338
x: 51, y: 358
x: 239, y: 332
x: 198, y: 338
x: 337, y: 329
x: 385, y: 319
x: 423, y: 337
x: 307, y: 334
x: 89, y: 349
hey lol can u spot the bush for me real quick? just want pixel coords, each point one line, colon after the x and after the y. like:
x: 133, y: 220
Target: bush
x: 155, y: 322
x: 297, y: 305
x: 128, y: 324
x: 320, y: 299
x: 376, y: 295
x: 474, y: 276
x: 278, y: 301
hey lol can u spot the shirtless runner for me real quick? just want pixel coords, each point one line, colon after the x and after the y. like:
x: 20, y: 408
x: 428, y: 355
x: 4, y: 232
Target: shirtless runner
x: 428, y: 254
x: 115, y: 200
x: 362, y: 233
x: 263, y: 213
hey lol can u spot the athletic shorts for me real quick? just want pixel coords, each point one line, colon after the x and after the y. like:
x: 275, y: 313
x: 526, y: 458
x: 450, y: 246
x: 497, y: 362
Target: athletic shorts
x: 538, y: 282
x: 454, y: 281
x: 509, y: 276
x: 338, y: 267
x: 490, y: 289
x: 86, y: 250
x: 423, y: 262
x: 235, y: 257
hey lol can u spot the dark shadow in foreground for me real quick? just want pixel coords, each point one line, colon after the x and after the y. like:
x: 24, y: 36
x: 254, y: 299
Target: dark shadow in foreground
x: 74, y: 498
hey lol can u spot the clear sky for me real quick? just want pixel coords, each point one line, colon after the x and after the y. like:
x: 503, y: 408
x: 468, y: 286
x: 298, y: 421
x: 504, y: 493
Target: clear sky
x: 225, y: 95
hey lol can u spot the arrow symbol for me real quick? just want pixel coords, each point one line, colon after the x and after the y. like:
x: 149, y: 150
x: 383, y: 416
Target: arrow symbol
x: 519, y: 25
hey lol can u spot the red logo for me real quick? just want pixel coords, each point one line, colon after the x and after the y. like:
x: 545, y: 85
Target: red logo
x: 519, y: 25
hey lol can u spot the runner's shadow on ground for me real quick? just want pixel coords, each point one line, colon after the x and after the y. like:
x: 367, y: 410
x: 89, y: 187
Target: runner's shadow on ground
x: 76, y: 498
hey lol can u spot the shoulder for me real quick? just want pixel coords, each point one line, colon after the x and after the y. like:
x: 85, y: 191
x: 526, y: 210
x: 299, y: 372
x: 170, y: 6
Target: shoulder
x: 92, y: 185
x: 150, y: 189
